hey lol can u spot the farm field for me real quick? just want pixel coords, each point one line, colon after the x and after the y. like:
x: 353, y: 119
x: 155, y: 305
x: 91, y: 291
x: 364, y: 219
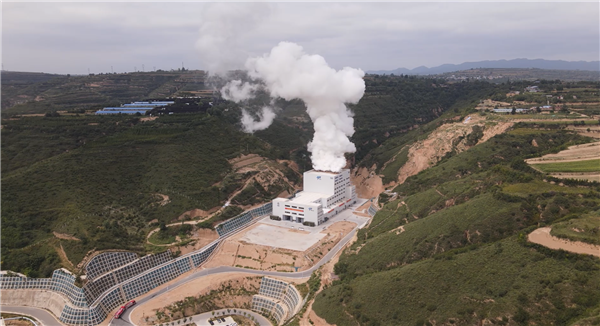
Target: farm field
x: 577, y: 166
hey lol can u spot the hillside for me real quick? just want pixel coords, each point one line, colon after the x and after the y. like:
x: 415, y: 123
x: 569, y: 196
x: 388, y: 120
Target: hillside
x: 99, y: 178
x: 24, y: 94
x: 75, y: 183
x: 504, y: 64
x: 452, y: 248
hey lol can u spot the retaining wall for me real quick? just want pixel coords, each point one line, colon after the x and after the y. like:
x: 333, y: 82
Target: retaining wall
x: 48, y: 300
x: 116, y: 277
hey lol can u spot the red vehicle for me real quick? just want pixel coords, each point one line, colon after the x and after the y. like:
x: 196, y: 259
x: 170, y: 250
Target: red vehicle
x: 123, y: 308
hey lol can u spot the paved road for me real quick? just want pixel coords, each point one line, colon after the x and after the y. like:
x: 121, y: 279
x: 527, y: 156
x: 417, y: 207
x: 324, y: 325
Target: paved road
x: 202, y: 319
x: 44, y: 317
x: 125, y: 318
x: 48, y: 319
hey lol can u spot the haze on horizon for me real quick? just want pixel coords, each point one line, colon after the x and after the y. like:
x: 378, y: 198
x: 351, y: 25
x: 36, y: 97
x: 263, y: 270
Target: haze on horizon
x: 72, y: 37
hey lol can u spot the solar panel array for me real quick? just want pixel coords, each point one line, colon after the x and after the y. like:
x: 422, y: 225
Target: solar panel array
x: 277, y: 298
x: 106, y: 262
x: 116, y: 277
x: 372, y: 210
x: 237, y: 222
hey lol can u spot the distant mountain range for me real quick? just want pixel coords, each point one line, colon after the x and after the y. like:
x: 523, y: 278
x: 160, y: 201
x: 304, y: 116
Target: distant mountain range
x: 515, y: 63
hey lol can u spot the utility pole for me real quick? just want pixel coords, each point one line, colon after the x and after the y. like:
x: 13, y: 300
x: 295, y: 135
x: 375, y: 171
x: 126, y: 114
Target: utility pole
x: 143, y: 69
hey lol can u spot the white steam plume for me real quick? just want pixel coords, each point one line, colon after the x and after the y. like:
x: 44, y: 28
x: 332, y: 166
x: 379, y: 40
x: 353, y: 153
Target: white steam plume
x: 237, y: 91
x: 287, y: 72
x: 266, y: 117
x: 223, y: 29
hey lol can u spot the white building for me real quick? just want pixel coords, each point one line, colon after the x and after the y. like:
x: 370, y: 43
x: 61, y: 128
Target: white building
x: 325, y: 194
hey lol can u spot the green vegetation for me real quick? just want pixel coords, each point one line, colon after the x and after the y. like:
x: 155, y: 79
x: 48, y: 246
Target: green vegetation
x: 452, y: 249
x: 537, y: 187
x: 390, y: 172
x: 457, y: 288
x: 167, y: 235
x: 585, y: 228
x: 394, y: 105
x: 32, y: 94
x: 103, y: 190
x: 579, y: 166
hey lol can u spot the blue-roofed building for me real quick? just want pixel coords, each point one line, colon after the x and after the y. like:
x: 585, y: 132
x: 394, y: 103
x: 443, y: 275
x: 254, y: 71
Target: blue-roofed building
x: 120, y: 112
x: 133, y: 108
x: 509, y: 110
x: 149, y: 104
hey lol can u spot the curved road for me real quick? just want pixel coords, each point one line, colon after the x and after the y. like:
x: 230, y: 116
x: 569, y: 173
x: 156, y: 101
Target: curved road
x: 125, y: 318
x: 48, y: 319
x: 43, y: 316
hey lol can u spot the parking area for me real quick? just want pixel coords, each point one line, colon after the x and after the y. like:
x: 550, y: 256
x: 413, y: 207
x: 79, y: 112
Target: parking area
x: 282, y: 237
x: 295, y: 236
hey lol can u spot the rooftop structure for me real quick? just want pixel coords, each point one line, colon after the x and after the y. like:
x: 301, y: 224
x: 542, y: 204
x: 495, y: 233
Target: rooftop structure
x: 325, y: 195
x: 133, y: 108
x: 509, y: 110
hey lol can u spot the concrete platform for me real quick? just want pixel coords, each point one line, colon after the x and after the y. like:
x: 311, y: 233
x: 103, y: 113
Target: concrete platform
x: 295, y: 236
x: 281, y: 237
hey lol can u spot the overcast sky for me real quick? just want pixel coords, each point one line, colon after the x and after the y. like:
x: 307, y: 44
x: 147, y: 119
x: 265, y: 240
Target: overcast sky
x: 72, y: 37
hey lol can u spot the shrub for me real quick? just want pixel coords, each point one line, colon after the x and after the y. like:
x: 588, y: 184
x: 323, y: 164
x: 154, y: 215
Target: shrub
x: 276, y: 218
x: 309, y: 223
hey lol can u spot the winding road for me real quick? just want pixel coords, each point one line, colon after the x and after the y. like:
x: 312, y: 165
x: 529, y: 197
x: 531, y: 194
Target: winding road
x: 48, y: 319
x: 125, y: 318
x: 43, y: 316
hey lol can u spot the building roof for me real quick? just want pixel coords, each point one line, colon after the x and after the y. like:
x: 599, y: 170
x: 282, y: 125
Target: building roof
x: 127, y: 108
x: 123, y: 112
x: 304, y: 197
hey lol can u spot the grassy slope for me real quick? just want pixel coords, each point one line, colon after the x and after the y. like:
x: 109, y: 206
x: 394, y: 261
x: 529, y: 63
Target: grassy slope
x: 579, y: 166
x: 463, y: 249
x: 585, y: 228
x: 492, y: 281
x: 103, y: 192
x: 95, y: 91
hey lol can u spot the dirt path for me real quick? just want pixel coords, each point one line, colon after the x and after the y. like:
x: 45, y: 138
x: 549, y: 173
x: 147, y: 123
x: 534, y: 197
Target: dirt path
x: 65, y: 236
x: 575, y: 153
x: 63, y: 256
x: 589, y: 176
x: 542, y: 236
x: 165, y: 199
x: 172, y: 224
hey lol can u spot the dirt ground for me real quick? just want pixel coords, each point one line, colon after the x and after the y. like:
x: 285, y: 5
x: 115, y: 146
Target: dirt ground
x: 368, y: 184
x: 425, y: 153
x: 197, y: 212
x: 578, y: 176
x: 237, y: 252
x: 201, y: 237
x: 194, y: 288
x: 17, y: 322
x: 327, y: 277
x: 572, y: 154
x: 542, y: 236
x: 65, y: 236
x: 244, y: 160
x: 594, y: 131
